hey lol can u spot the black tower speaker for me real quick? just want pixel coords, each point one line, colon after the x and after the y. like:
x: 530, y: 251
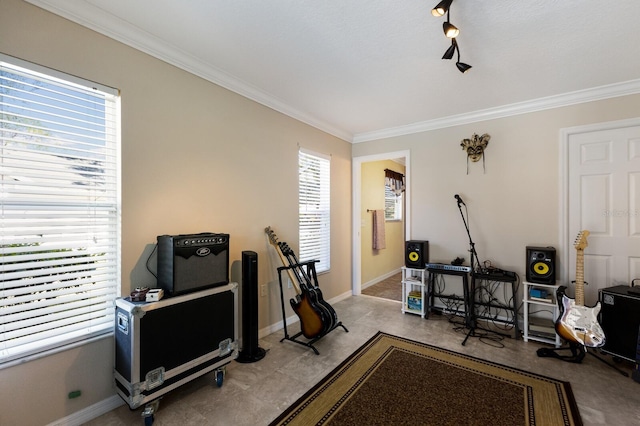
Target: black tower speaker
x: 416, y: 254
x: 620, y: 321
x: 541, y: 265
x: 251, y: 352
x: 192, y: 262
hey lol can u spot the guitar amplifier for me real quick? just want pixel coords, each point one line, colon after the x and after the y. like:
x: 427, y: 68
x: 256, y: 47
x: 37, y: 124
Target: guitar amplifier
x: 192, y: 262
x: 620, y: 321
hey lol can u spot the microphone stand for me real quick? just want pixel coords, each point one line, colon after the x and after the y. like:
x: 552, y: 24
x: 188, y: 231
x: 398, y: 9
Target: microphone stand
x: 470, y: 316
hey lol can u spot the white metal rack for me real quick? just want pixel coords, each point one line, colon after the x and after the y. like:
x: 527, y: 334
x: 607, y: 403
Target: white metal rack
x: 413, y: 282
x: 552, y: 305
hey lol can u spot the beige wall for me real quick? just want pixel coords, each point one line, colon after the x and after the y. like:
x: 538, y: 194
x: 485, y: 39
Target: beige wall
x: 376, y: 264
x: 515, y: 203
x: 199, y: 158
x: 195, y: 158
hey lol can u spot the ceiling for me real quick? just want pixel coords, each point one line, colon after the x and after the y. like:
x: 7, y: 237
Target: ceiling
x: 367, y: 69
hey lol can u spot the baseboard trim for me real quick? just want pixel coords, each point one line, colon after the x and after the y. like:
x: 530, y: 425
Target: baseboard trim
x: 380, y: 278
x: 96, y: 410
x: 91, y: 412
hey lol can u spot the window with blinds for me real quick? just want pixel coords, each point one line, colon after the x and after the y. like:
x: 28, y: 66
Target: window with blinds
x: 392, y: 204
x: 59, y: 207
x: 314, y: 209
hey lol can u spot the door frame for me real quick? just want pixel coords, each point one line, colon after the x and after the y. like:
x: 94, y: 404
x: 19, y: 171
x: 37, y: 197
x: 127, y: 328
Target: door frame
x: 356, y: 203
x: 566, y: 240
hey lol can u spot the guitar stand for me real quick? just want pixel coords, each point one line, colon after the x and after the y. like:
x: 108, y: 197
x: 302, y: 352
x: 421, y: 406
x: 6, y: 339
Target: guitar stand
x: 577, y: 355
x: 294, y: 338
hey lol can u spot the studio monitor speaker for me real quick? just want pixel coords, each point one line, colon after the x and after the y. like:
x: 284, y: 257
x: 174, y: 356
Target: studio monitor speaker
x: 416, y: 254
x: 192, y: 262
x: 620, y: 321
x: 541, y: 265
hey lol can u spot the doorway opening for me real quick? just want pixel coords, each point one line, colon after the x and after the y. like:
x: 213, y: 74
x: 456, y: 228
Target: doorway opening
x: 361, y: 221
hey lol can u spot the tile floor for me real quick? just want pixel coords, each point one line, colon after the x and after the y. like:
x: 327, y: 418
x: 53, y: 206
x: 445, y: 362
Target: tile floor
x: 255, y: 393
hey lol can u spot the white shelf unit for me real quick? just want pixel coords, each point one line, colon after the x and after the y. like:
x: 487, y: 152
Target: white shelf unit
x: 414, y: 280
x: 552, y: 305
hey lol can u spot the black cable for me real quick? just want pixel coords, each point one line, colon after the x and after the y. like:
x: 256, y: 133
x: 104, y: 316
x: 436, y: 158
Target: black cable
x: 149, y: 258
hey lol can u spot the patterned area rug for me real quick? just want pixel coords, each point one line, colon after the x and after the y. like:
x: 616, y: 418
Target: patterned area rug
x: 396, y: 381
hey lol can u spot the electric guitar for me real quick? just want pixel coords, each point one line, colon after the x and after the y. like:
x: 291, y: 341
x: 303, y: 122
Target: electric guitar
x: 578, y: 323
x: 303, y: 276
x: 312, y: 318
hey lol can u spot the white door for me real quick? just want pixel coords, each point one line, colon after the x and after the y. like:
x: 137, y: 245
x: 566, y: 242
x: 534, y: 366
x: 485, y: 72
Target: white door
x: 604, y: 199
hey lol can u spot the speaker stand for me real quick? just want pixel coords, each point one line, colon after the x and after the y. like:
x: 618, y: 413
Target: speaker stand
x: 577, y: 355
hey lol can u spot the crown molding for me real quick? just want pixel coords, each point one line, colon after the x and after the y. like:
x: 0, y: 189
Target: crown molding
x: 92, y: 17
x: 103, y: 22
x: 581, y: 96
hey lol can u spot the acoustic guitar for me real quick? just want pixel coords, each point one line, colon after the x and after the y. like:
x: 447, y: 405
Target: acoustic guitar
x: 578, y: 323
x: 312, y: 318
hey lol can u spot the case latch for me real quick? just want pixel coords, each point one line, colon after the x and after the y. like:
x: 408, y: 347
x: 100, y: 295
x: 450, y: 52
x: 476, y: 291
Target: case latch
x: 225, y: 347
x: 154, y: 378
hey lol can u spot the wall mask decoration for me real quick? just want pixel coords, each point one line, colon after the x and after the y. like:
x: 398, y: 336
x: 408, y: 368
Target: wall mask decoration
x: 474, y: 148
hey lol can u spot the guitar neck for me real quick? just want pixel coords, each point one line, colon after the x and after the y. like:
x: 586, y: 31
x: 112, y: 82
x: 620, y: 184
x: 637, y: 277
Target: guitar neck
x: 579, y: 299
x: 292, y: 277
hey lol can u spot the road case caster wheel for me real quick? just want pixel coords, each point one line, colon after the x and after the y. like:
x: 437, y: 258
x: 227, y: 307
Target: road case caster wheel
x: 220, y: 377
x: 148, y: 412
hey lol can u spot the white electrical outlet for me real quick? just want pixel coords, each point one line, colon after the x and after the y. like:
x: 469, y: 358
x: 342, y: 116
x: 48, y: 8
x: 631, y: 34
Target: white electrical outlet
x: 289, y: 283
x: 263, y: 290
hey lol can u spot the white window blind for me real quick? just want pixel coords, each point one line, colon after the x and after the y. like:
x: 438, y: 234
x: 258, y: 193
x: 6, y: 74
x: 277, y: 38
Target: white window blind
x: 59, y: 207
x: 314, y: 209
x: 392, y: 204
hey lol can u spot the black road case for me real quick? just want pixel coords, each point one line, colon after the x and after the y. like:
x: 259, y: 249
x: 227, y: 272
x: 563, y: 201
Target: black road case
x: 162, y: 345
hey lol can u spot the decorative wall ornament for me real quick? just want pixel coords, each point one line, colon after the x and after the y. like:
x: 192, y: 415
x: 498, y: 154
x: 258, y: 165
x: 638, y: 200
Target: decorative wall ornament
x: 474, y: 148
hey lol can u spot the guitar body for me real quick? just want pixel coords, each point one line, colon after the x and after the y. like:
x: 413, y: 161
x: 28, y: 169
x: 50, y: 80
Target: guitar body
x: 330, y: 314
x: 311, y: 318
x: 578, y: 323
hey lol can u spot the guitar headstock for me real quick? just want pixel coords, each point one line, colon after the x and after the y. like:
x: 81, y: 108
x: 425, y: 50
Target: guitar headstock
x: 581, y: 240
x: 273, y: 239
x: 284, y: 247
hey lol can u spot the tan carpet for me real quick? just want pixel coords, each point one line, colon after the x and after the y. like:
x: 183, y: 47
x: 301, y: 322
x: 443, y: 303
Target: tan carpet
x: 396, y: 381
x: 389, y: 288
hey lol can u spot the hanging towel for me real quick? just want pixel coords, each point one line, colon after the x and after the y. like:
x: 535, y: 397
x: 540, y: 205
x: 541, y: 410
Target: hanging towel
x: 378, y: 230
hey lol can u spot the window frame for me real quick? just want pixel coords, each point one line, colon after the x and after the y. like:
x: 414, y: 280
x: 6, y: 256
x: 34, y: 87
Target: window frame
x: 72, y: 162
x: 393, y: 203
x: 315, y: 238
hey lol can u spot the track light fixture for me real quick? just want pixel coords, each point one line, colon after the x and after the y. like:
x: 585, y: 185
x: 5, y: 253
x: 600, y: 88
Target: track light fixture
x: 441, y: 8
x: 463, y: 67
x: 451, y: 50
x: 449, y: 54
x: 451, y: 31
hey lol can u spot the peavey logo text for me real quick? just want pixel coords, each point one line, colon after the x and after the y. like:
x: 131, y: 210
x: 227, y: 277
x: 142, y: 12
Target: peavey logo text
x: 203, y: 251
